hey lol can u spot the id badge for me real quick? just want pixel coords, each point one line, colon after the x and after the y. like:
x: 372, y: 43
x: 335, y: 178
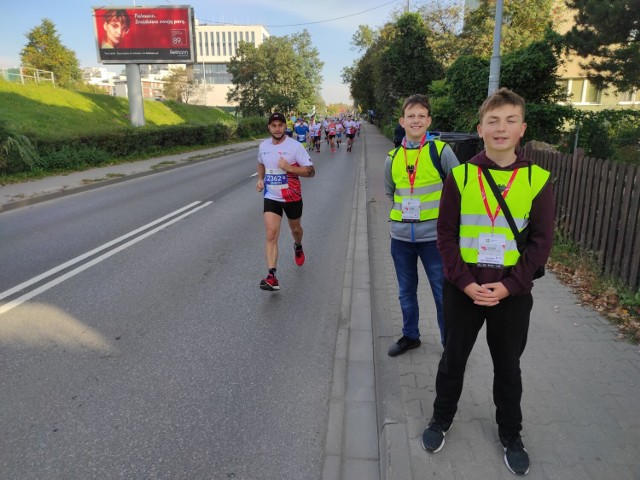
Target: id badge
x: 276, y: 179
x: 410, y: 210
x: 491, y: 248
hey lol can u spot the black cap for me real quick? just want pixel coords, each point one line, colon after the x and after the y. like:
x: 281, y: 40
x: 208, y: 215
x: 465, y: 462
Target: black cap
x: 277, y: 116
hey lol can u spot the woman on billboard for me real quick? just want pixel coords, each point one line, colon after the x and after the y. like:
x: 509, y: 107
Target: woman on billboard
x: 116, y: 26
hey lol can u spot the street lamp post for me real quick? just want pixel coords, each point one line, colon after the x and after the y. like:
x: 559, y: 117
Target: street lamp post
x: 494, y: 67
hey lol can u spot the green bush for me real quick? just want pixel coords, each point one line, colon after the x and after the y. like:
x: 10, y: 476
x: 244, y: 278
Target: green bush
x: 92, y: 150
x: 70, y: 157
x: 252, y: 127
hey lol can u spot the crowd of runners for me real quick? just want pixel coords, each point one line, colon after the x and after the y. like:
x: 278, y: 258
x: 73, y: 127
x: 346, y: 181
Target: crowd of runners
x: 332, y: 130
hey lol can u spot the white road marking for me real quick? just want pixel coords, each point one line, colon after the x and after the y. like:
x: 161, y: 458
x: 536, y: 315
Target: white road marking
x: 43, y: 288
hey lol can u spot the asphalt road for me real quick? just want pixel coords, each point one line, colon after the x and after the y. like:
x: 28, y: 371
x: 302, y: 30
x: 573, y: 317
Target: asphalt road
x: 135, y: 343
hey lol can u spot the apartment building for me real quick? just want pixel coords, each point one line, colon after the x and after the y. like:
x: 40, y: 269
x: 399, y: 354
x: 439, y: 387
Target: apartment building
x: 215, y: 45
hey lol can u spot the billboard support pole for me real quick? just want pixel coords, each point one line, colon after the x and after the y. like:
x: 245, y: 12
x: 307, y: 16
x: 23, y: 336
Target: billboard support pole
x: 134, y: 89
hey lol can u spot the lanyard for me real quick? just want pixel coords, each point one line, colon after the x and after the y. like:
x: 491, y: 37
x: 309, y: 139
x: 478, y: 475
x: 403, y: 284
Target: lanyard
x: 412, y: 170
x: 504, y: 195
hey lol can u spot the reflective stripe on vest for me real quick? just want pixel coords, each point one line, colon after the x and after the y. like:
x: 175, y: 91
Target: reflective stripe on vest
x: 473, y: 215
x: 427, y: 185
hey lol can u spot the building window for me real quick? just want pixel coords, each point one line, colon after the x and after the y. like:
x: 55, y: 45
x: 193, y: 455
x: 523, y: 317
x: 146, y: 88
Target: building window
x: 224, y: 44
x: 206, y: 42
x: 632, y: 96
x: 200, y: 49
x: 581, y: 91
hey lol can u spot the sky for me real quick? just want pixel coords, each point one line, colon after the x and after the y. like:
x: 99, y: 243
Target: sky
x: 331, y: 27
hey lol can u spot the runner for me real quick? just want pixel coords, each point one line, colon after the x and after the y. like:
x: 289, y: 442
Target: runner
x: 331, y: 134
x: 316, y: 133
x: 281, y: 163
x: 339, y: 130
x: 290, y: 123
x: 350, y: 127
x: 325, y: 127
x: 301, y: 131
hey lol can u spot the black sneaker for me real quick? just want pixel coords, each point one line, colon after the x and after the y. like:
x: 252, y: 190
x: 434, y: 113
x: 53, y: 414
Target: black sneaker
x: 516, y: 457
x: 433, y: 435
x: 403, y: 345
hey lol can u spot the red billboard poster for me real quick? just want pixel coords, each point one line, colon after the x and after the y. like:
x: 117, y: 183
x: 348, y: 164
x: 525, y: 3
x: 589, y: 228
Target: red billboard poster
x: 144, y: 34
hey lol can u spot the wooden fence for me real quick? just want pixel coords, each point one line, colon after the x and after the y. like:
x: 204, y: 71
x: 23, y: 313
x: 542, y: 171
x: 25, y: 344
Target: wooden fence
x: 597, y: 206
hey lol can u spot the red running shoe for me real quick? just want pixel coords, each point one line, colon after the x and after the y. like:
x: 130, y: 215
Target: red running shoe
x: 270, y: 283
x: 299, y: 255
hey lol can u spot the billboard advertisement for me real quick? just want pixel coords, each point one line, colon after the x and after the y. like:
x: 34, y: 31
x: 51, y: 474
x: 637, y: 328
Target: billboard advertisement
x: 162, y: 34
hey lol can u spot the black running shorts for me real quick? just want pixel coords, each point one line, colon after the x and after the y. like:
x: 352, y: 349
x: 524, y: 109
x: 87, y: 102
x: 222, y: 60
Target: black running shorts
x: 293, y: 210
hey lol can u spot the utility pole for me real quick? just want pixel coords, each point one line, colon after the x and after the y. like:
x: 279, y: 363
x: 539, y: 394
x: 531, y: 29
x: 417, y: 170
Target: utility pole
x: 494, y: 67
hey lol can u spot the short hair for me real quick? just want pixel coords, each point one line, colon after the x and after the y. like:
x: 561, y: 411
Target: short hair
x: 417, y: 99
x: 119, y: 15
x: 501, y: 97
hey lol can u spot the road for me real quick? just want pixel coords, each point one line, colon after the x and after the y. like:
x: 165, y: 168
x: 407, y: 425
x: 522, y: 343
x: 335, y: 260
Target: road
x: 135, y: 342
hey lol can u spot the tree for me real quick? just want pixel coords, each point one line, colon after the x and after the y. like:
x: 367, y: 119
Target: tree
x: 406, y: 65
x: 524, y: 21
x: 44, y: 51
x: 608, y: 33
x: 182, y: 86
x: 364, y: 38
x: 283, y: 73
x: 443, y: 19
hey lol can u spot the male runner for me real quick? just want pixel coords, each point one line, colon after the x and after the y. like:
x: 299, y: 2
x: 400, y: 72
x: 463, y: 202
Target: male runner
x: 301, y: 131
x: 350, y: 127
x: 281, y: 163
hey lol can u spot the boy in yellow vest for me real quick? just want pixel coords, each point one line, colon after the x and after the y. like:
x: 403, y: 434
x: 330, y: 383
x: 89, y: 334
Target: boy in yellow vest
x: 487, y: 277
x: 414, y: 173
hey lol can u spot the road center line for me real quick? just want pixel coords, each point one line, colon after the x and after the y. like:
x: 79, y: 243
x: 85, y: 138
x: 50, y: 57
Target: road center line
x: 43, y: 288
x: 73, y: 261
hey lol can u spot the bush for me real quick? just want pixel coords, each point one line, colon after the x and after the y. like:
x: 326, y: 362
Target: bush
x: 252, y: 127
x: 17, y: 155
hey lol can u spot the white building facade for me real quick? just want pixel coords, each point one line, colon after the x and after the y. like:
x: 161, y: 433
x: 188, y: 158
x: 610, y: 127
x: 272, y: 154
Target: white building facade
x: 215, y: 45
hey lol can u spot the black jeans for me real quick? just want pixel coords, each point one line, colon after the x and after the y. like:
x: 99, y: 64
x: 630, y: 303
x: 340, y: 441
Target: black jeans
x: 507, y: 328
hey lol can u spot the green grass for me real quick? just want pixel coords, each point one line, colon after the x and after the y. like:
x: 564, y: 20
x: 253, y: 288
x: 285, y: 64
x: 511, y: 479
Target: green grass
x: 45, y: 111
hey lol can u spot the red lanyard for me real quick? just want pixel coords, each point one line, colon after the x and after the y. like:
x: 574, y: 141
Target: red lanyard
x: 504, y: 195
x: 414, y: 168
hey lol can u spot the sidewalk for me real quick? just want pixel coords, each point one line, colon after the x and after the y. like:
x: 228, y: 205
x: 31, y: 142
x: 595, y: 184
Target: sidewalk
x: 23, y: 194
x: 581, y: 384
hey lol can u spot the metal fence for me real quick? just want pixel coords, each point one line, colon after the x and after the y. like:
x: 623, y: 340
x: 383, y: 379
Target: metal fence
x: 27, y: 75
x: 598, y: 207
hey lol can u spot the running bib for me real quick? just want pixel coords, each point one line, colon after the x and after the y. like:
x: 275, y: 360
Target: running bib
x: 276, y: 179
x: 302, y: 138
x: 410, y: 209
x: 491, y: 248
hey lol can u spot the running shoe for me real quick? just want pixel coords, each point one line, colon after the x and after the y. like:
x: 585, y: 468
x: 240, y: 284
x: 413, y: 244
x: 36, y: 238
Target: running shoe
x: 270, y: 283
x: 299, y: 255
x: 433, y: 435
x: 516, y: 457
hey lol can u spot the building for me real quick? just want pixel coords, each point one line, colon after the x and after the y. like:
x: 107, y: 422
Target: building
x: 215, y: 45
x: 581, y: 92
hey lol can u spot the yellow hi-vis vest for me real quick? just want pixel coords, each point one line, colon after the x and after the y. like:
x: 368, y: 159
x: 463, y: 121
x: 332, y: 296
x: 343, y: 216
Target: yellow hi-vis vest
x: 474, y: 220
x: 427, y: 185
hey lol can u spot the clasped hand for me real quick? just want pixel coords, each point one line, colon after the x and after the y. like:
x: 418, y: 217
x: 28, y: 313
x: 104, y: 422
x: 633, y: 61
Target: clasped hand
x: 488, y: 294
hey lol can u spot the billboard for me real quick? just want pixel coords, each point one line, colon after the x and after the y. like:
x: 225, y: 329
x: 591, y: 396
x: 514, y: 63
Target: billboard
x: 162, y: 34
